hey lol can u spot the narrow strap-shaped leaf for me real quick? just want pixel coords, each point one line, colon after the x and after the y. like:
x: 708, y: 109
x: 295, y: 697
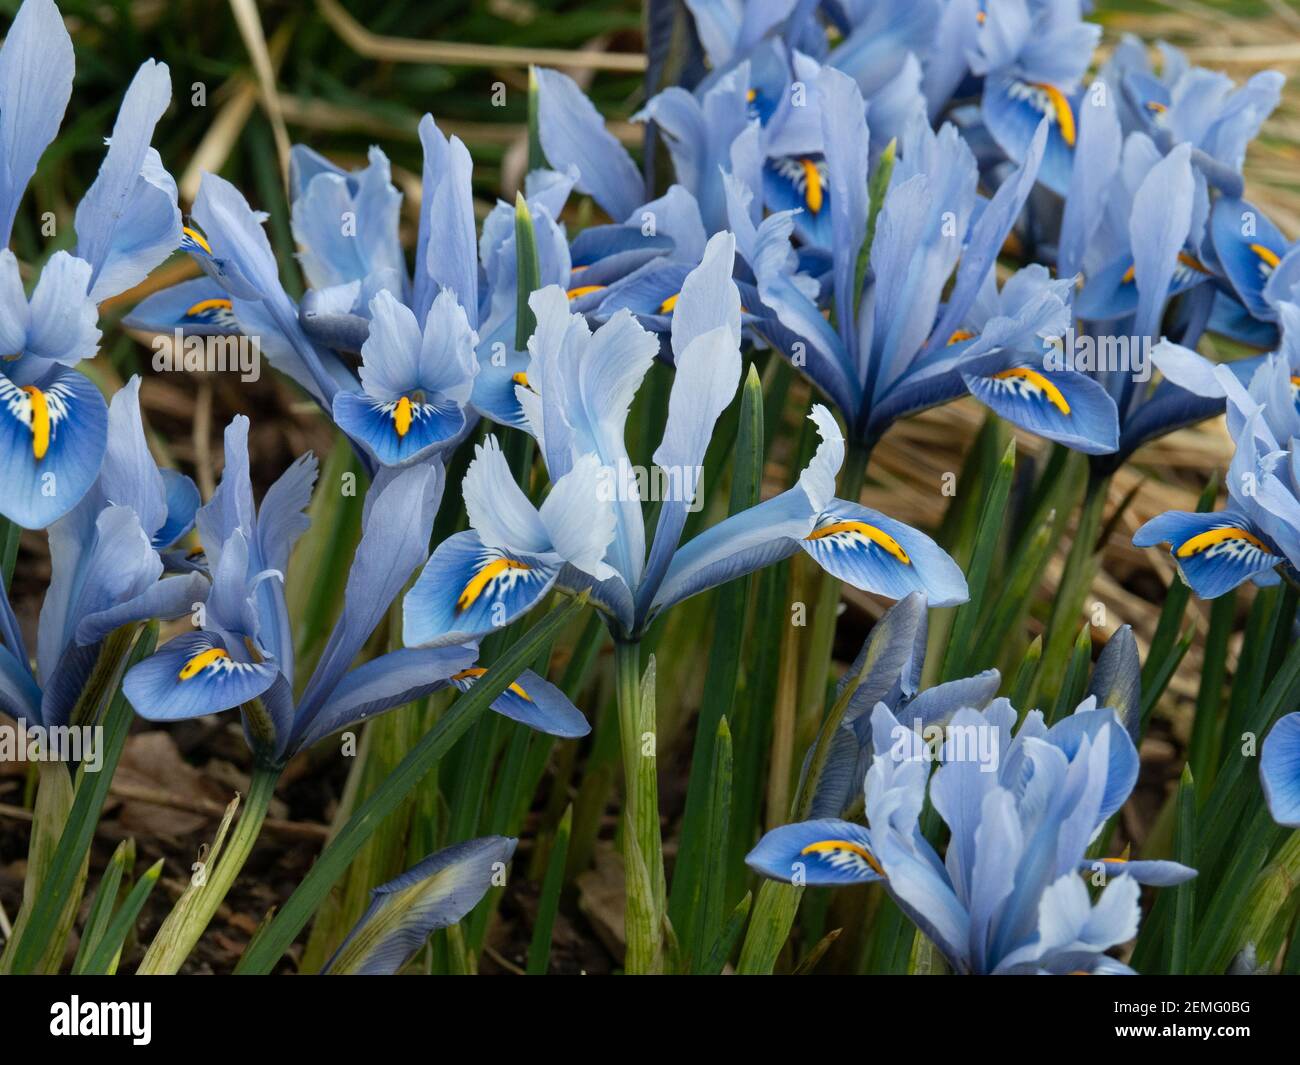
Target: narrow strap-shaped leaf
x: 722, y: 947
x: 92, y: 790
x: 958, y: 657
x: 101, y: 909
x: 732, y: 605
x: 713, y: 885
x: 539, y: 949
x: 528, y: 272
x: 1214, y: 666
x: 275, y: 940
x: 1185, y: 893
x: 101, y: 960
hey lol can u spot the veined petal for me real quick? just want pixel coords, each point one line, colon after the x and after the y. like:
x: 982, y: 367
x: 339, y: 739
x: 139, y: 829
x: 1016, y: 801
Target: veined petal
x: 128, y: 221
x: 398, y: 432
x: 1214, y: 552
x: 52, y: 440
x: 822, y: 853
x: 403, y: 913
x: 534, y: 702
x: 391, y: 680
x: 396, y: 524
x: 1279, y: 770
x: 194, y: 675
x: 1062, y: 405
x: 574, y: 135
x: 1250, y: 247
x: 1158, y: 229
x: 1156, y: 873
x: 878, y: 554
x: 447, y: 248
x: 467, y: 590
x: 36, y: 67
x: 1012, y: 108
x: 197, y: 307
x: 63, y: 325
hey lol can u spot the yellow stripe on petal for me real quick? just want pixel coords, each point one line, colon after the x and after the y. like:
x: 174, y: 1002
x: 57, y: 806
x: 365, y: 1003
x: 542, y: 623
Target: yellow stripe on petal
x: 667, y: 306
x: 1039, y: 383
x: 402, y: 416
x: 1266, y: 255
x: 40, y: 423
x: 861, y: 528
x: 203, y: 306
x: 959, y: 336
x: 201, y: 661
x: 484, y: 577
x: 521, y: 378
x: 474, y: 672
x: 1129, y: 274
x: 583, y: 290
x: 843, y: 846
x: 1206, y: 540
x: 813, y: 194
x: 1062, y: 109
x: 198, y: 238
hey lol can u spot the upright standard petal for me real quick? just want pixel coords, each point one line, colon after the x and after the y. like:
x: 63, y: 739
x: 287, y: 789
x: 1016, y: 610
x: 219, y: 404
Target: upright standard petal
x: 574, y: 135
x: 36, y: 66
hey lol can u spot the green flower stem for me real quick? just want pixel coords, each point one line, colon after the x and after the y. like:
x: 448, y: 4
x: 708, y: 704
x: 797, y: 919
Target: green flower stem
x: 1062, y: 627
x: 644, y: 892
x: 189, y: 918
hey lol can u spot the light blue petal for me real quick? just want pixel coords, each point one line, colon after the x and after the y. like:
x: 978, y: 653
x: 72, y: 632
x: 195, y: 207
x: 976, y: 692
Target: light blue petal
x: 1150, y: 872
x: 1061, y: 405
x: 1279, y: 770
x: 574, y: 135
x: 404, y: 912
x: 198, y: 307
x: 877, y: 554
x: 391, y: 680
x: 1158, y: 229
x: 534, y: 702
x: 246, y: 265
x: 183, y: 500
x: 1214, y: 552
x: 128, y: 221
x: 158, y: 692
x: 822, y: 853
x: 447, y: 251
x: 63, y: 325
x: 467, y: 590
x: 36, y: 66
x: 1249, y: 247
x: 394, y: 539
x: 40, y: 490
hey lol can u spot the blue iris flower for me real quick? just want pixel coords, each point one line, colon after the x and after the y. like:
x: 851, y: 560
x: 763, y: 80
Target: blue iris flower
x: 52, y: 419
x: 1186, y: 104
x: 442, y: 338
x: 894, y: 346
x: 589, y: 532
x: 1028, y: 59
x: 1022, y: 807
x: 242, y: 649
x: 108, y: 558
x: 1260, y: 530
